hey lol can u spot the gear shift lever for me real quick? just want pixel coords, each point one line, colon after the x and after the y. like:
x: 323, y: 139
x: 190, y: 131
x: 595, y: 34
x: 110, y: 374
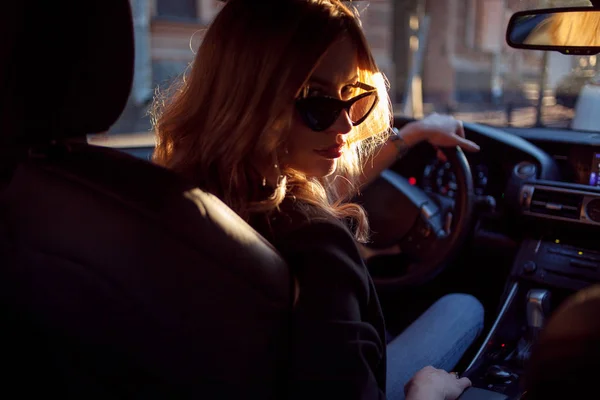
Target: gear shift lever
x: 538, y: 307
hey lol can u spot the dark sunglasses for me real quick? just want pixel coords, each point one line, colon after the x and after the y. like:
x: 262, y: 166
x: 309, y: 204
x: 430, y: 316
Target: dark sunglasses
x: 320, y: 112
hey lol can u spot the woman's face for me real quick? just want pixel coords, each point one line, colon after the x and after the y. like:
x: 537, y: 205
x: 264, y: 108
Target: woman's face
x: 315, y: 153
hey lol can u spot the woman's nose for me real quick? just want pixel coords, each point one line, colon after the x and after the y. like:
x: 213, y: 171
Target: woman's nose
x: 343, y: 123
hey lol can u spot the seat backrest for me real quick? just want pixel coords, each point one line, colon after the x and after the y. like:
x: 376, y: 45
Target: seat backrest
x: 565, y: 363
x: 118, y: 279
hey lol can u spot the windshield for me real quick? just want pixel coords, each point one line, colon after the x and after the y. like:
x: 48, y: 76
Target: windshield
x: 438, y: 55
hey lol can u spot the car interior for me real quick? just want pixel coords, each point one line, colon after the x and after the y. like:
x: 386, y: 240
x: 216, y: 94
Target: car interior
x: 115, y: 273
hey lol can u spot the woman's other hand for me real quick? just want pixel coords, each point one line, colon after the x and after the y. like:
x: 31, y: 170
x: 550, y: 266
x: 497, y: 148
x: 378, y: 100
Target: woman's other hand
x: 435, y: 384
x: 440, y: 131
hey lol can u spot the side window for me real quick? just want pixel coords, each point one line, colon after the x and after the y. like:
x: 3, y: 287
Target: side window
x: 181, y: 9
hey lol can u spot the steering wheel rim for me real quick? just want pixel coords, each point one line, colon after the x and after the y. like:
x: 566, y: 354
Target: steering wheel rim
x: 439, y: 251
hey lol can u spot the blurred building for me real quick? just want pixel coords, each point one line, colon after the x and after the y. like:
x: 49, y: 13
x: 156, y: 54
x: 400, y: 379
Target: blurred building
x: 466, y: 56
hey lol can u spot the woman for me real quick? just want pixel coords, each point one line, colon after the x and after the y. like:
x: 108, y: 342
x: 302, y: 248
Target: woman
x: 282, y: 109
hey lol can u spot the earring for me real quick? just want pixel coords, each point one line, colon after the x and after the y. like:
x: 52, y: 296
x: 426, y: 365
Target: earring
x: 279, y: 176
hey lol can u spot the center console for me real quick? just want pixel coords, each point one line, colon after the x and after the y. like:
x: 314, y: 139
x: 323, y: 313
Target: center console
x: 558, y: 263
x: 502, y: 359
x: 545, y: 272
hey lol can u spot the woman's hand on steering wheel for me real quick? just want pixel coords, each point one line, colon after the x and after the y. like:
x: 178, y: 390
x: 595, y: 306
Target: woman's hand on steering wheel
x: 440, y: 131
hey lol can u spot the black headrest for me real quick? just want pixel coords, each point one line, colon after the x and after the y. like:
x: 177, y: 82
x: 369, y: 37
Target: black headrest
x: 565, y: 363
x: 68, y: 67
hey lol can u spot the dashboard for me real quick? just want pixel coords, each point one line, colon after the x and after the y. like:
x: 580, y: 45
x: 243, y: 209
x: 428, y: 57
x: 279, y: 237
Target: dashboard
x: 575, y: 152
x: 577, y: 164
x: 544, y: 174
x: 536, y: 188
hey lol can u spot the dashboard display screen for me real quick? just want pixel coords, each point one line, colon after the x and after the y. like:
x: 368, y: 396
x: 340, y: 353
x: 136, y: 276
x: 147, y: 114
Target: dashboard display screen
x: 595, y: 171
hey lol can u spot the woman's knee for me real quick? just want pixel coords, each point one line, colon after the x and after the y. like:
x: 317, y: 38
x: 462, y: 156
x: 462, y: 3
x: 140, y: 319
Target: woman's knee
x: 465, y: 306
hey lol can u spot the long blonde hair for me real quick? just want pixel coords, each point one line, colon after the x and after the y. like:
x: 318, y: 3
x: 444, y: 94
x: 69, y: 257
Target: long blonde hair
x: 226, y: 122
x: 575, y: 29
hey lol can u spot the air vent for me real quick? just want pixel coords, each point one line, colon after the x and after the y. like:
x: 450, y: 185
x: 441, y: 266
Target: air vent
x: 556, y: 203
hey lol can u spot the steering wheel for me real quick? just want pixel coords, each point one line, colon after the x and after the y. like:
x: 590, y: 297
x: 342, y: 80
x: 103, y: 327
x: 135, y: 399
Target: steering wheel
x: 429, y: 228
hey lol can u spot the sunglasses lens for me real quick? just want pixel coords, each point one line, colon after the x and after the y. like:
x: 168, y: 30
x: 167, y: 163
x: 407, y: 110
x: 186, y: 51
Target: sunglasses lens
x: 320, y: 112
x: 361, y: 109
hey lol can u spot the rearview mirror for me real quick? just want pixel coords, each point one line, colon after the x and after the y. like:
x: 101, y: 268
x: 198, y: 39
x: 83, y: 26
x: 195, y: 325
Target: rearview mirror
x: 567, y: 30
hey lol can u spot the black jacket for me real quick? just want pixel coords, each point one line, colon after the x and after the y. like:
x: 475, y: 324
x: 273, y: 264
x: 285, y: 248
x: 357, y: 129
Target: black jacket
x: 338, y: 347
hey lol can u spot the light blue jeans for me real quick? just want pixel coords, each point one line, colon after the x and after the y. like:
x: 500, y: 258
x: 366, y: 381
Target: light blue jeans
x: 439, y: 337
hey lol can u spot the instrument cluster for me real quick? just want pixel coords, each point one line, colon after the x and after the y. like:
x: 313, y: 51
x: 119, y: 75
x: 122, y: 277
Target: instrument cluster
x: 438, y: 177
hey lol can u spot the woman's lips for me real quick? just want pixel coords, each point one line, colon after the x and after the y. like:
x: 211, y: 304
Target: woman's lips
x: 332, y: 152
